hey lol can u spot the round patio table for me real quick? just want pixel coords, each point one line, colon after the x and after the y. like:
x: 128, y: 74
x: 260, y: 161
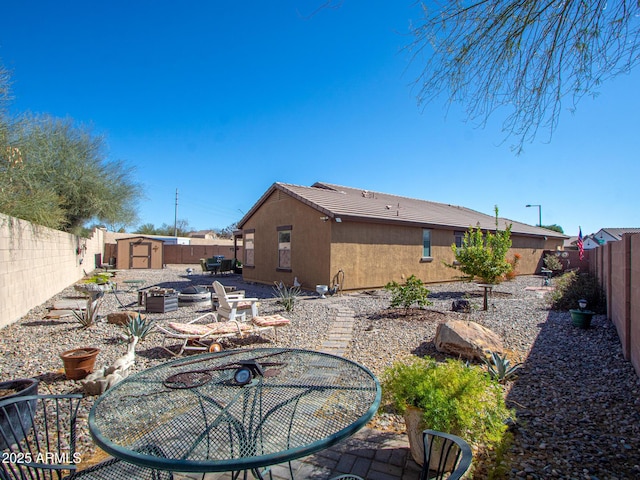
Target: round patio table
x: 236, y: 410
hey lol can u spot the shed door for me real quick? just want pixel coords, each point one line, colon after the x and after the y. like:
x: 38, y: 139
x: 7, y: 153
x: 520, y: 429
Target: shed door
x: 140, y: 255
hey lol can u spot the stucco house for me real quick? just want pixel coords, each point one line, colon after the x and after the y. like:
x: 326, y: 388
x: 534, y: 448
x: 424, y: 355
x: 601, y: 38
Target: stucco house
x: 326, y: 234
x: 605, y: 235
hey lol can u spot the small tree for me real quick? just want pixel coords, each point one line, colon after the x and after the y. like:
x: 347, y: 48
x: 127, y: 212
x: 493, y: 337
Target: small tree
x: 483, y: 255
x: 412, y: 292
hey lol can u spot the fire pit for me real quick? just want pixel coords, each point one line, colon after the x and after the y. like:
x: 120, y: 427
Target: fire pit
x: 194, y: 293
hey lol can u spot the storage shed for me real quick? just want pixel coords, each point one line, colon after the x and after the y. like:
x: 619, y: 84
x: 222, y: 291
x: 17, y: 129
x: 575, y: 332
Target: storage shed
x: 139, y: 252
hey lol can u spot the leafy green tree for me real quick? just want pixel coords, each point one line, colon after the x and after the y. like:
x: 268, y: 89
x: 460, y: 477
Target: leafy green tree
x: 484, y: 256
x: 555, y: 228
x: 146, y: 229
x: 525, y: 58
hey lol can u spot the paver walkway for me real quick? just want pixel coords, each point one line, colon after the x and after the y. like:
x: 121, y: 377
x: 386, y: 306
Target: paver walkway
x: 371, y: 454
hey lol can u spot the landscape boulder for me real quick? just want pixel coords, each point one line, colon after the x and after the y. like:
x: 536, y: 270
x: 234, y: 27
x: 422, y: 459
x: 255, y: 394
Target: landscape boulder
x: 461, y: 306
x: 465, y: 339
x: 122, y: 318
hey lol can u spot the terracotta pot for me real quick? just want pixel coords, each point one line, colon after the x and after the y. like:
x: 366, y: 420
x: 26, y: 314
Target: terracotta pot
x: 79, y: 362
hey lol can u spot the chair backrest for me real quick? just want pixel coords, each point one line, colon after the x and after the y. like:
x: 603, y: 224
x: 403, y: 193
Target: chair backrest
x: 444, y: 454
x: 221, y: 293
x: 38, y: 436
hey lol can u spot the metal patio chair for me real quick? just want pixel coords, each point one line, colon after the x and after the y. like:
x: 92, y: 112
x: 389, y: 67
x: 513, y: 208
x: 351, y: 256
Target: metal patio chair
x: 454, y: 456
x: 38, y: 438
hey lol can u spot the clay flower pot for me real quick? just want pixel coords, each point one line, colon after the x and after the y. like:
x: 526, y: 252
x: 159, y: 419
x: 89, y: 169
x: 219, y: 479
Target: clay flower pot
x: 79, y: 362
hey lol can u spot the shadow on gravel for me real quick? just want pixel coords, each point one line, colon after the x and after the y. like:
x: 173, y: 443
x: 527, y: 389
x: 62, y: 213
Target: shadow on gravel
x: 576, y: 397
x: 453, y: 295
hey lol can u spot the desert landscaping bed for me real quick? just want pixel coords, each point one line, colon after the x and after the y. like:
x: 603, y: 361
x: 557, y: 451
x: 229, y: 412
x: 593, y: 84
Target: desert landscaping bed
x: 577, y: 399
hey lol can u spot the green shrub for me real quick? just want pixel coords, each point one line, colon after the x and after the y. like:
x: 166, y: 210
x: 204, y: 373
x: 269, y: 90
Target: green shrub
x: 571, y: 287
x: 412, y: 292
x: 552, y: 263
x: 454, y: 397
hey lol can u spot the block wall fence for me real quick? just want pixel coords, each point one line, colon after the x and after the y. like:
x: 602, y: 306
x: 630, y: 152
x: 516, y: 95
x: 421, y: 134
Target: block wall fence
x: 617, y: 267
x: 38, y: 262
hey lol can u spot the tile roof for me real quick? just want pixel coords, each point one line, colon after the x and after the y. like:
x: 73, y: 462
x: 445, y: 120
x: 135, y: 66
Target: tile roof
x: 356, y: 204
x: 618, y: 232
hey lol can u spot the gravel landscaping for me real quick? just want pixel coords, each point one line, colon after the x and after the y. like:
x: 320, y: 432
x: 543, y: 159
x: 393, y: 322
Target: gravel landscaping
x: 577, y: 399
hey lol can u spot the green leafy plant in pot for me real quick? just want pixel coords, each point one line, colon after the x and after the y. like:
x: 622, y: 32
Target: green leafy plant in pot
x: 449, y: 397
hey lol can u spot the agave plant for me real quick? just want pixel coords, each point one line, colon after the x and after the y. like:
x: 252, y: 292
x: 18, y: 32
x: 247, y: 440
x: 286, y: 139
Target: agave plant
x: 286, y: 296
x: 500, y: 368
x: 139, y: 327
x: 88, y: 316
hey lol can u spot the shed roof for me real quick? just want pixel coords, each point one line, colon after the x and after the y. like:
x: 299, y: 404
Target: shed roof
x: 355, y: 204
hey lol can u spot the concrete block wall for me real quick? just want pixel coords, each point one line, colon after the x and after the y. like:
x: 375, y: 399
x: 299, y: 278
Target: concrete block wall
x: 617, y: 266
x: 38, y: 262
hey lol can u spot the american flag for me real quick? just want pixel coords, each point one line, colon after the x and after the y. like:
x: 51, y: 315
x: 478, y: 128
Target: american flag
x: 580, y: 244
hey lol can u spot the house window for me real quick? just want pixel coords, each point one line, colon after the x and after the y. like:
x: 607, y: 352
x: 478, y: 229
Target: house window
x: 284, y: 247
x: 458, y: 238
x: 426, y: 243
x: 249, y: 255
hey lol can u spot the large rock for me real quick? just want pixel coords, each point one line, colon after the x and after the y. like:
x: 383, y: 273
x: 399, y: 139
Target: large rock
x: 122, y: 318
x: 466, y: 339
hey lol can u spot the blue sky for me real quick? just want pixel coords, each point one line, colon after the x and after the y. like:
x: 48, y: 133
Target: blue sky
x: 221, y: 99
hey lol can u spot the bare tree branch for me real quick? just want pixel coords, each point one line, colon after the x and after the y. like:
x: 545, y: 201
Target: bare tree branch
x: 523, y: 55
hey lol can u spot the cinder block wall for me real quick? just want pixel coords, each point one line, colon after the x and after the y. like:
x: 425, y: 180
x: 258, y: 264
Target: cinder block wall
x: 617, y: 266
x: 38, y: 262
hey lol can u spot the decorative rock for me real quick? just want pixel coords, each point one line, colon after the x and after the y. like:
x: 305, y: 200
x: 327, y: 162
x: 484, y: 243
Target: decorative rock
x: 461, y: 306
x: 468, y: 340
x: 122, y: 318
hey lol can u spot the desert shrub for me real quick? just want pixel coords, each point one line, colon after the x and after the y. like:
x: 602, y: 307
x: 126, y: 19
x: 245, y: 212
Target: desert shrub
x: 571, y: 287
x: 552, y: 263
x: 454, y: 398
x: 413, y: 292
x: 511, y: 274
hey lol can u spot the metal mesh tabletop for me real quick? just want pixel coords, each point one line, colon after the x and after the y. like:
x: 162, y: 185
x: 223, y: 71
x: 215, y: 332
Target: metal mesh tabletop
x: 202, y: 419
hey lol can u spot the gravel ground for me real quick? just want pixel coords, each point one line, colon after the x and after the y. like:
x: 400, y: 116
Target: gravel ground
x: 577, y: 399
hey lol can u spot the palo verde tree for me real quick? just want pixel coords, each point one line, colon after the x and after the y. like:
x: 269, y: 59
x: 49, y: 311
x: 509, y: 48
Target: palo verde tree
x: 484, y: 255
x: 55, y: 173
x: 528, y: 57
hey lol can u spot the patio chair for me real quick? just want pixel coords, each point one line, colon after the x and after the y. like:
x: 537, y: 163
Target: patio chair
x: 195, y: 334
x: 39, y: 431
x: 234, y: 306
x: 454, y: 456
x: 272, y: 322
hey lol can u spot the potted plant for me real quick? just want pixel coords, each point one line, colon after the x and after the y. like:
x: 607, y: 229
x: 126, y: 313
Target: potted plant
x: 448, y: 396
x: 79, y: 362
x: 581, y: 317
x: 16, y: 388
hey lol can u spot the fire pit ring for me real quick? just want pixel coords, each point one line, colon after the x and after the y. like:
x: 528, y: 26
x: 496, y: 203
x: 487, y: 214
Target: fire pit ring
x: 194, y: 294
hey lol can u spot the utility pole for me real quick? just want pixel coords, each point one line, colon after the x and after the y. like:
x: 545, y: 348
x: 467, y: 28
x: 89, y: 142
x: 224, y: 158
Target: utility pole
x: 175, y: 218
